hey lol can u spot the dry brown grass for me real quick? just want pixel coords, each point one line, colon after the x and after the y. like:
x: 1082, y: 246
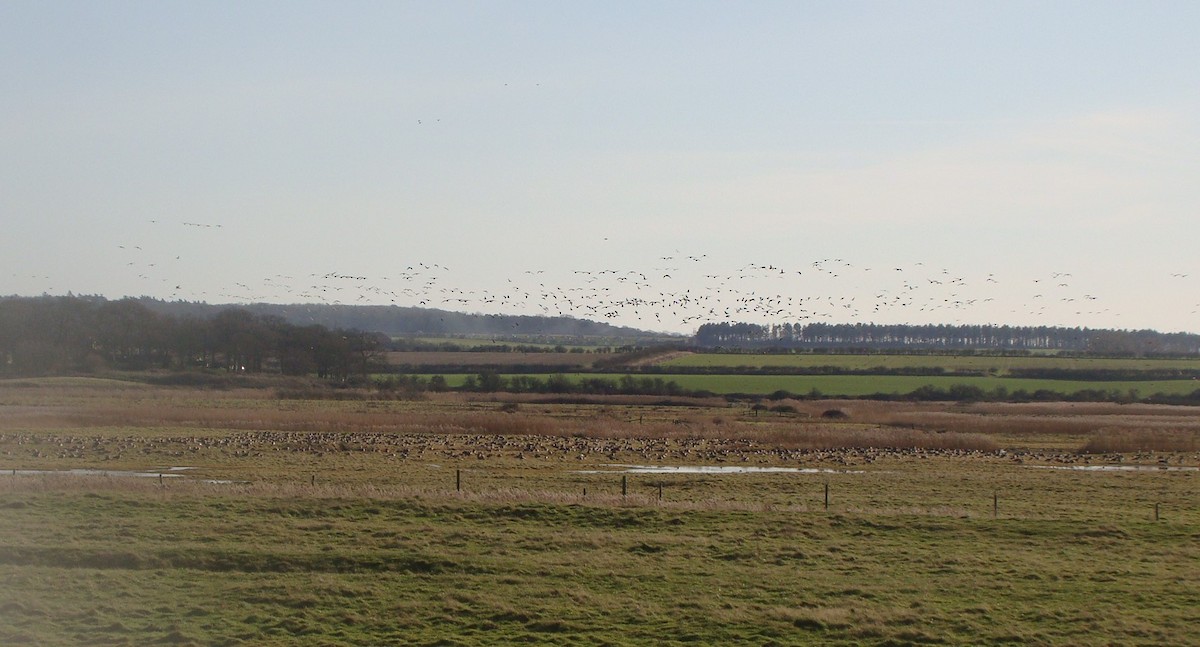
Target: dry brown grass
x: 491, y: 359
x: 1003, y: 420
x: 253, y: 419
x: 958, y: 432
x: 1142, y: 440
x: 598, y: 400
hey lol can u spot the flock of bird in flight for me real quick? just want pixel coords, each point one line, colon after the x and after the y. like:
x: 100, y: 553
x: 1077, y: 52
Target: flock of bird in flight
x: 677, y: 291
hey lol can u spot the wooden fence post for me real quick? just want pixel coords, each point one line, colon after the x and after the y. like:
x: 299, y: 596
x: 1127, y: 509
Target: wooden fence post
x: 826, y: 496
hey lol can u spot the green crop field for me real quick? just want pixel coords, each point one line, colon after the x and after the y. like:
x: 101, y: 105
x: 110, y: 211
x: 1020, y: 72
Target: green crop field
x: 859, y: 385
x: 862, y: 385
x: 235, y: 517
x: 992, y: 364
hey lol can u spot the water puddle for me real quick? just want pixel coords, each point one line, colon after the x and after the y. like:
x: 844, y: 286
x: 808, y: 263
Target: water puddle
x: 1116, y: 468
x: 712, y: 469
x: 160, y: 473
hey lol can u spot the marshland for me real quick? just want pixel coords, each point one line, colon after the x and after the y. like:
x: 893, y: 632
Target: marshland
x: 594, y: 323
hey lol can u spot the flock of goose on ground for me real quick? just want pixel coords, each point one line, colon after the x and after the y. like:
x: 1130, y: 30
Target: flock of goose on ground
x: 465, y: 448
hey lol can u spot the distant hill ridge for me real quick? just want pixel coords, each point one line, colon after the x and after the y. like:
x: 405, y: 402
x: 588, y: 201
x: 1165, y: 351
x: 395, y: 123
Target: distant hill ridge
x: 431, y: 322
x: 399, y: 320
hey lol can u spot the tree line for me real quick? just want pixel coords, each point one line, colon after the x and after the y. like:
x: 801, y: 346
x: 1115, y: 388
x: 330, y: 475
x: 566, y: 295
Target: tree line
x: 78, y: 334
x: 402, y: 320
x: 937, y: 337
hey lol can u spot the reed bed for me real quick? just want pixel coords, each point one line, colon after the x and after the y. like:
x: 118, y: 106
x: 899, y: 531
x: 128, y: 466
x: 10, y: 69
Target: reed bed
x: 598, y: 400
x: 1124, y: 440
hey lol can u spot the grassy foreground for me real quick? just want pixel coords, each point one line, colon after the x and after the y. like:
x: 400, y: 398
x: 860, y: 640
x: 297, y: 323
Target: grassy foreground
x: 202, y: 565
x: 343, y: 524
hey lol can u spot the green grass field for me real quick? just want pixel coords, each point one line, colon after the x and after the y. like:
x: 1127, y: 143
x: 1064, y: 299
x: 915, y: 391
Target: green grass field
x: 106, y: 565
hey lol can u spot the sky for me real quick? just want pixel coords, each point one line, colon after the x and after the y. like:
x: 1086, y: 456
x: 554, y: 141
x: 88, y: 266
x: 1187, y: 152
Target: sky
x: 653, y: 164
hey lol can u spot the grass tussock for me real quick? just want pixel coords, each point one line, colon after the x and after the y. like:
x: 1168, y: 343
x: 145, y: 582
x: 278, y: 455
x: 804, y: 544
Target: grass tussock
x: 815, y: 618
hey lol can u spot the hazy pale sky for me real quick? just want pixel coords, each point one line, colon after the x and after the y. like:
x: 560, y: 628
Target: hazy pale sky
x: 655, y: 164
